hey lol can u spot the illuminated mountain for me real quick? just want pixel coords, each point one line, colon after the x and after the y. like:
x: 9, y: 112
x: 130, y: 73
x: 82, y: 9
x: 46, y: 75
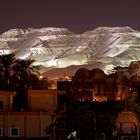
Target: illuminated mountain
x: 60, y: 51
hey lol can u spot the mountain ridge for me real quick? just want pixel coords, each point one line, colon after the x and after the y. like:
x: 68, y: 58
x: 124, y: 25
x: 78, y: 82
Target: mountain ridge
x: 55, y: 48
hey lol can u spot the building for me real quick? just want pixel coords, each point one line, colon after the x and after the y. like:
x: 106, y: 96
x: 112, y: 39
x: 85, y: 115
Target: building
x: 95, y: 85
x: 43, y: 110
x: 127, y: 126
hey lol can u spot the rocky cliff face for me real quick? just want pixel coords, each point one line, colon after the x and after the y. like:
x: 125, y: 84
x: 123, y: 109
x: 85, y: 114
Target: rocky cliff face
x: 58, y: 49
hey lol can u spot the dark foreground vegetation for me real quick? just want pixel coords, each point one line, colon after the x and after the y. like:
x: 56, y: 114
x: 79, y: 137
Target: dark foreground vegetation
x: 17, y: 75
x: 97, y: 120
x: 23, y: 138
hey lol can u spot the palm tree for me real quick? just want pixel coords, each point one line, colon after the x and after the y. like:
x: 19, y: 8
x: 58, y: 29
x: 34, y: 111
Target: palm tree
x: 7, y: 63
x: 25, y: 73
x: 24, y: 76
x: 17, y: 75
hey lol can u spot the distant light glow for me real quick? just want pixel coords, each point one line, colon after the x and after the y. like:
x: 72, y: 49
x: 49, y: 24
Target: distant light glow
x: 40, y: 77
x: 67, y: 78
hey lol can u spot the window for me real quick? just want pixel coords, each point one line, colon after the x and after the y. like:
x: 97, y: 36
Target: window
x: 14, y: 131
x: 1, y: 132
x: 1, y: 105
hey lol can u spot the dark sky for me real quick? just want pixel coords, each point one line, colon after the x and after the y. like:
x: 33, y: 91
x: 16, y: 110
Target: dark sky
x: 77, y: 15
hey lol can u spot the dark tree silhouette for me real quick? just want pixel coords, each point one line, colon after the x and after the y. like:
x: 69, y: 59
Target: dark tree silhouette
x: 7, y: 63
x: 25, y: 74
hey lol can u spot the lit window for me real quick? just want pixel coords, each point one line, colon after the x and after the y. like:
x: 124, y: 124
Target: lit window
x: 14, y: 131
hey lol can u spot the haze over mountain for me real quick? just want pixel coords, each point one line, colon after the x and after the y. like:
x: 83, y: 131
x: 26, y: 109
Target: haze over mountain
x: 59, y: 51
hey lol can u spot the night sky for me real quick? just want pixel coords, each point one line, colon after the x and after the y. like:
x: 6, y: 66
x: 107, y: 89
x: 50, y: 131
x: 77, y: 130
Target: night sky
x: 77, y: 15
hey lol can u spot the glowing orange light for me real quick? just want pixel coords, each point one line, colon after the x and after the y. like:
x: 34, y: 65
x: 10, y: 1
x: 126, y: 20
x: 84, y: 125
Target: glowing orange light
x: 41, y: 77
